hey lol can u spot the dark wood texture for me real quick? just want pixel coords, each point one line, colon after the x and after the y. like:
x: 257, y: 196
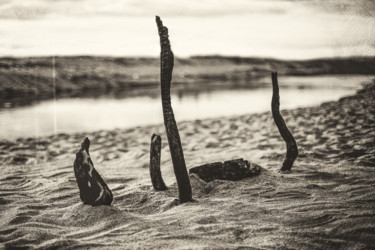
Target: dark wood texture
x: 155, y: 153
x: 291, y: 145
x: 92, y: 188
x: 177, y: 154
x: 233, y: 170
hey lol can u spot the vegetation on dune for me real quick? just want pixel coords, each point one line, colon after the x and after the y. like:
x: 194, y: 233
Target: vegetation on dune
x: 74, y: 74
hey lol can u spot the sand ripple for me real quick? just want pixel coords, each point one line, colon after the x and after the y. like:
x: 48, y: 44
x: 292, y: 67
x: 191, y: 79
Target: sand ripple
x: 327, y: 201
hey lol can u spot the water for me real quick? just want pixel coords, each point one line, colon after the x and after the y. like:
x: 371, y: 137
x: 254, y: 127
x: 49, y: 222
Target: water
x: 106, y: 112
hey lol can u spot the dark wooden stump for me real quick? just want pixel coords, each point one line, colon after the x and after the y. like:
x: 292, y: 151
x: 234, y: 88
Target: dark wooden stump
x: 291, y: 145
x: 155, y: 173
x: 229, y: 170
x: 174, y: 141
x: 92, y: 188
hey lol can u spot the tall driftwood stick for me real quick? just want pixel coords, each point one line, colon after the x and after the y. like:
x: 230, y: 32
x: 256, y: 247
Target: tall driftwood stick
x: 155, y: 152
x: 291, y: 145
x: 166, y: 68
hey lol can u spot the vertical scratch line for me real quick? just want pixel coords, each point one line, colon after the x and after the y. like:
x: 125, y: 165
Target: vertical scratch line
x: 54, y: 95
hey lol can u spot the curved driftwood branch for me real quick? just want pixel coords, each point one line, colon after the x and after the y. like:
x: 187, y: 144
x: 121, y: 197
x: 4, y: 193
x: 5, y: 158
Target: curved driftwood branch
x: 92, y: 188
x: 155, y: 152
x: 291, y: 145
x: 166, y: 68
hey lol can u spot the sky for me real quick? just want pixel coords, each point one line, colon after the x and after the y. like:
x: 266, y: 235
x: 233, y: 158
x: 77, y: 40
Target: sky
x: 256, y: 28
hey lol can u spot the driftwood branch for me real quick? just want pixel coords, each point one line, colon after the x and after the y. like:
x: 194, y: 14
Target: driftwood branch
x: 166, y: 68
x: 291, y: 145
x: 233, y: 170
x: 92, y: 188
x: 155, y: 153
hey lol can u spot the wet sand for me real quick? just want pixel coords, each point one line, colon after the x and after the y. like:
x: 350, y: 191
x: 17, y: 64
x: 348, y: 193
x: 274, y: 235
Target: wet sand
x: 326, y: 201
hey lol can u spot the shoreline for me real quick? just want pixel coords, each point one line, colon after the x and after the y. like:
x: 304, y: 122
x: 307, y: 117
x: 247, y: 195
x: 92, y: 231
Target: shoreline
x: 34, y: 142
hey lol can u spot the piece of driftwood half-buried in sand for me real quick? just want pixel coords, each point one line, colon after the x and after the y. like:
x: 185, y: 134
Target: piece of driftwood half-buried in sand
x: 92, y: 188
x: 177, y: 154
x: 232, y: 170
x: 155, y: 153
x: 229, y: 170
x: 291, y: 145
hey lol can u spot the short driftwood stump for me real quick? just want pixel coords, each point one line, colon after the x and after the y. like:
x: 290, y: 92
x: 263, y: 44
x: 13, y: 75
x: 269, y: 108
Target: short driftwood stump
x: 233, y: 170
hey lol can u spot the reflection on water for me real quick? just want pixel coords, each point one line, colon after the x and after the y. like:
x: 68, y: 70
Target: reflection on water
x: 106, y: 112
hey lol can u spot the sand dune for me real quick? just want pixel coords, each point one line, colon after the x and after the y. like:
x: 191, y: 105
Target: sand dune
x: 326, y: 201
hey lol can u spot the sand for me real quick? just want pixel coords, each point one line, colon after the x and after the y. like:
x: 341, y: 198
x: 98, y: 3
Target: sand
x: 326, y: 201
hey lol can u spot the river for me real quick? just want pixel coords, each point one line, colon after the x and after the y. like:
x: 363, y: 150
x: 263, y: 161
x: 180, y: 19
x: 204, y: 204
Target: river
x: 69, y: 115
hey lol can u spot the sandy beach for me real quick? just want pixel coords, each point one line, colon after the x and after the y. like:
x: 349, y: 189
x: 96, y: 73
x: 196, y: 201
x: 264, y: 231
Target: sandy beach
x: 326, y: 201
x: 90, y: 83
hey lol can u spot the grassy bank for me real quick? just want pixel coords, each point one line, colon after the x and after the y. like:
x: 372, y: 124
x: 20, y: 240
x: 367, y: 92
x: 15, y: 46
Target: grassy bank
x: 76, y: 74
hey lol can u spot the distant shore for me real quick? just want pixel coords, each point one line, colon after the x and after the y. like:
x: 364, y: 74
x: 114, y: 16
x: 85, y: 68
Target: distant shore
x: 80, y: 74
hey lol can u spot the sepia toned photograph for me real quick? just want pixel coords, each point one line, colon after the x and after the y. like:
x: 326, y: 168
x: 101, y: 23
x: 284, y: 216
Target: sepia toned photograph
x: 201, y: 124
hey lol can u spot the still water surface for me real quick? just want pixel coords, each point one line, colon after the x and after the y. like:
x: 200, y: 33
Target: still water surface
x: 106, y: 112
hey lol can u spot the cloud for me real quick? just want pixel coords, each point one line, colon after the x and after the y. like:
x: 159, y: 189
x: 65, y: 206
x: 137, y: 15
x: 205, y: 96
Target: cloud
x: 353, y: 7
x: 273, y: 28
x: 38, y: 9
